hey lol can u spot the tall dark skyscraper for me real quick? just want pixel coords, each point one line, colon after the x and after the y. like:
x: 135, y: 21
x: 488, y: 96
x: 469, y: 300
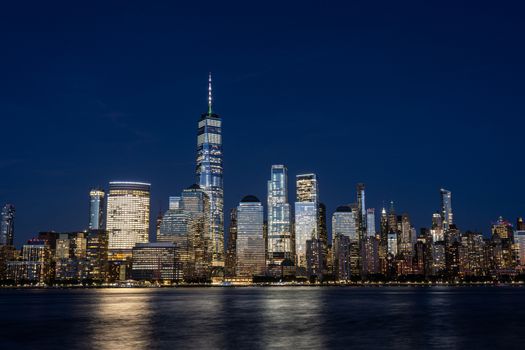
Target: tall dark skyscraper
x: 7, y: 226
x: 210, y: 175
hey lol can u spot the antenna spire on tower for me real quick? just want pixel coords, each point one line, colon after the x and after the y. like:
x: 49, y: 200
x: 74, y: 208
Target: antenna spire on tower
x: 209, y: 93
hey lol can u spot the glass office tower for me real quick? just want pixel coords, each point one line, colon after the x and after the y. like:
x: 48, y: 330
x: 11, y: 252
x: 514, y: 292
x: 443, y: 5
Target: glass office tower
x: 279, y: 227
x: 210, y: 175
x: 371, y: 222
x: 306, y: 216
x: 97, y: 206
x: 7, y: 225
x: 127, y: 216
x: 250, y: 247
x: 446, y: 209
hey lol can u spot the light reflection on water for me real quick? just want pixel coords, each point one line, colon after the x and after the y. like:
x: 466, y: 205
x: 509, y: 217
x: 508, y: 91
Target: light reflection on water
x: 261, y: 318
x: 121, y: 319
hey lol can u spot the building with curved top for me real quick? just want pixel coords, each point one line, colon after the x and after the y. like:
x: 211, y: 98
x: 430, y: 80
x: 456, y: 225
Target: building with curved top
x: 127, y: 216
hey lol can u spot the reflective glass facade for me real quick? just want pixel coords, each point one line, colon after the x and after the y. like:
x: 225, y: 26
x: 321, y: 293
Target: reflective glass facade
x: 155, y: 262
x: 209, y: 172
x: 7, y: 225
x: 306, y: 216
x: 279, y: 226
x: 446, y: 209
x: 97, y: 206
x: 371, y: 222
x: 128, y: 215
x: 250, y: 246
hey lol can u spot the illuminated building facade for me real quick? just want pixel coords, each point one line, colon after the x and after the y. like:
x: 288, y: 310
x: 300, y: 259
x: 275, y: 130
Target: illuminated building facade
x: 195, y: 202
x: 155, y: 262
x: 97, y: 206
x: 361, y: 206
x: 7, y: 225
x: 70, y: 256
x: 371, y: 222
x: 346, y: 241
x: 127, y: 217
x: 437, y: 228
x: 519, y: 237
x: 279, y: 225
x: 446, y: 209
x: 97, y: 256
x: 210, y: 176
x: 250, y: 247
x: 231, y: 252
x: 306, y: 218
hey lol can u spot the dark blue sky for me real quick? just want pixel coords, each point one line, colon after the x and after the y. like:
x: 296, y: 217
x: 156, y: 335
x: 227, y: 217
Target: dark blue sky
x: 407, y: 97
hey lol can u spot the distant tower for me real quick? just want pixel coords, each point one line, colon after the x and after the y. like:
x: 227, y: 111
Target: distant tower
x: 210, y: 175
x: 360, y: 189
x: 279, y: 226
x: 446, y: 209
x: 127, y: 216
x: 97, y: 205
x: 370, y: 222
x: 7, y: 226
x: 250, y: 247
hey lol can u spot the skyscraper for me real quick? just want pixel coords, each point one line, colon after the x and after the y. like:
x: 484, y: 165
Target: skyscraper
x: 250, y: 247
x: 7, y: 226
x: 97, y: 205
x: 446, y: 209
x: 279, y: 227
x: 210, y: 175
x: 195, y: 202
x: 127, y: 216
x: 346, y: 241
x: 370, y: 222
x: 306, y: 225
x: 360, y: 189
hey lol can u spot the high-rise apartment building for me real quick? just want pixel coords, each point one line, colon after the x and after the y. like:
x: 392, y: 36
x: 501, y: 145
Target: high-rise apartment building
x: 128, y: 214
x: 97, y: 207
x: 279, y: 226
x: 210, y: 176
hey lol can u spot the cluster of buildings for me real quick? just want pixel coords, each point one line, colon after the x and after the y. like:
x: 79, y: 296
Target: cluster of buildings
x: 282, y: 242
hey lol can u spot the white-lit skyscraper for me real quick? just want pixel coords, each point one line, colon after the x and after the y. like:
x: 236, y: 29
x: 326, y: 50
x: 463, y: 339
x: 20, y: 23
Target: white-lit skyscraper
x: 279, y: 226
x: 127, y: 216
x: 250, y: 247
x: 97, y: 205
x: 210, y: 176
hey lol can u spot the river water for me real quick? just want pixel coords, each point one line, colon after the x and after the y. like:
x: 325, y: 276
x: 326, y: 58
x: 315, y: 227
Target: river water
x: 264, y: 317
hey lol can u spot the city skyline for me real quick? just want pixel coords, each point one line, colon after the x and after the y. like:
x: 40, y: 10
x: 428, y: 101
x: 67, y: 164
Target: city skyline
x: 319, y: 85
x: 206, y: 170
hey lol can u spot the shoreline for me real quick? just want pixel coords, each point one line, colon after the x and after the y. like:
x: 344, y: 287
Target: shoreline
x: 265, y: 285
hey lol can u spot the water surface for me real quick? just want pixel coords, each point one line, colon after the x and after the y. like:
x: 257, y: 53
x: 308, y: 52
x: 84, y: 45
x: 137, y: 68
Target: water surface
x: 264, y: 317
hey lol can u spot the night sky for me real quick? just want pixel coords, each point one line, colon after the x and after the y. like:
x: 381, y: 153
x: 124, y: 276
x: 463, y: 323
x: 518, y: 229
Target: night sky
x: 407, y: 97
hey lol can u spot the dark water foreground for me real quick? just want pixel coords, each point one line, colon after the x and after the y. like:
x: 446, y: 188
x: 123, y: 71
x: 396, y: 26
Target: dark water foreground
x: 255, y: 318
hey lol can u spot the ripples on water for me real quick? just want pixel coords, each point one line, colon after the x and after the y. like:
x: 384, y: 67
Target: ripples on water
x: 255, y: 318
